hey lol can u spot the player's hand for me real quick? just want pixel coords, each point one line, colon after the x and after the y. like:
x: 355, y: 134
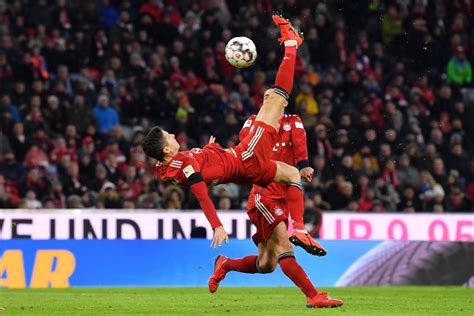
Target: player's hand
x: 212, y: 140
x: 307, y: 174
x: 219, y: 236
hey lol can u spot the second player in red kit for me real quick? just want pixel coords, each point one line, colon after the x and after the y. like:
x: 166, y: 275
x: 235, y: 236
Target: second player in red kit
x: 267, y: 205
x: 268, y: 211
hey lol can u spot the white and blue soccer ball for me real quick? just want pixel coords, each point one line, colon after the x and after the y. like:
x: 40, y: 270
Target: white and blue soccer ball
x: 241, y: 52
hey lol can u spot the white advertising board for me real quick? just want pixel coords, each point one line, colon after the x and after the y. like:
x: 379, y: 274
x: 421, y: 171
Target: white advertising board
x: 100, y: 224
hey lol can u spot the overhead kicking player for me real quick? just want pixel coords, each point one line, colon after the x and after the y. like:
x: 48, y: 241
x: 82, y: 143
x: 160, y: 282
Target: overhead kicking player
x: 268, y: 211
x: 247, y: 163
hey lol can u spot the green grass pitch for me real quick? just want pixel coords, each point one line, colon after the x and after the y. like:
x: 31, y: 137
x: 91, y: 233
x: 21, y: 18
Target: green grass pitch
x: 239, y: 301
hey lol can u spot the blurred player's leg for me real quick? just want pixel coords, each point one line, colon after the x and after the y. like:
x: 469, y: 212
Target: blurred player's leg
x: 223, y: 264
x: 295, y: 200
x: 277, y: 250
x: 277, y: 98
x: 264, y: 262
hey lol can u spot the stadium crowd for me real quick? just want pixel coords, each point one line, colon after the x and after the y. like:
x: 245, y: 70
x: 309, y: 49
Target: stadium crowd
x: 379, y: 86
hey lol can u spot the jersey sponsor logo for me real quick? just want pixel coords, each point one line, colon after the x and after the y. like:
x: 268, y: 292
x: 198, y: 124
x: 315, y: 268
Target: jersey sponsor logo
x: 278, y: 212
x: 176, y: 164
x: 248, y: 123
x: 188, y: 171
x: 299, y: 125
x: 286, y: 127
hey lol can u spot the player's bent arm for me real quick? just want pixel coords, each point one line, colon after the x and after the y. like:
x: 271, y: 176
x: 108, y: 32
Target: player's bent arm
x: 298, y: 136
x: 199, y: 189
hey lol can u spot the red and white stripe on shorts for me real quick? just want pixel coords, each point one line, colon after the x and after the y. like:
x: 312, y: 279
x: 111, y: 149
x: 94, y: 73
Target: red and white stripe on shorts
x: 263, y: 209
x: 256, y: 137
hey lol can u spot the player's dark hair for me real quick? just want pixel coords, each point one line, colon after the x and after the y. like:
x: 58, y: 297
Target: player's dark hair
x: 154, y: 142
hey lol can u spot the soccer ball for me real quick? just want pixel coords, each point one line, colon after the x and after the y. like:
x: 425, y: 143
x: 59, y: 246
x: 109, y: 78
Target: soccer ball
x: 241, y: 52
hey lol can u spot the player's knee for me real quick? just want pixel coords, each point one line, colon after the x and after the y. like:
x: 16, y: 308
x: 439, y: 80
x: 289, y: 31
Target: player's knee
x: 294, y: 175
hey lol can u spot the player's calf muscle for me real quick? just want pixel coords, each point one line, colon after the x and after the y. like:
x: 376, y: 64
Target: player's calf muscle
x: 267, y: 266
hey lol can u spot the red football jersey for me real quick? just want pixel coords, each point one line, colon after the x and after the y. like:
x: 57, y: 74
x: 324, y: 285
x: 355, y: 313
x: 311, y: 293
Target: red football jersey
x: 248, y: 162
x: 214, y: 163
x: 290, y: 148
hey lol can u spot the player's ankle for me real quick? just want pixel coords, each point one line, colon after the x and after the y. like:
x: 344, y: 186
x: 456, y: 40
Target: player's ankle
x: 291, y: 43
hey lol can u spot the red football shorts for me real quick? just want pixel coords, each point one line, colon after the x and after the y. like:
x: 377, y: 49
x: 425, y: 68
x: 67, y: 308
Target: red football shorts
x: 266, y: 214
x: 255, y: 151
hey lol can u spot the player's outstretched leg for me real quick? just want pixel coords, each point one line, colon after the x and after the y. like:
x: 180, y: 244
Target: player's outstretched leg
x: 223, y: 264
x: 277, y: 250
x: 295, y: 200
x: 264, y: 262
x: 276, y: 99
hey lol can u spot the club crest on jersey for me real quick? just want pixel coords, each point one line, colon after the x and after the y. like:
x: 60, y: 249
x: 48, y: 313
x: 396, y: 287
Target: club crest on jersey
x: 278, y: 212
x: 188, y: 170
x: 286, y: 127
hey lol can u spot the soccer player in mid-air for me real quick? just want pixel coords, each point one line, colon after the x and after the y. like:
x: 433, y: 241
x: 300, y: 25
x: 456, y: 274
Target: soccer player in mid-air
x: 268, y: 211
x: 247, y: 163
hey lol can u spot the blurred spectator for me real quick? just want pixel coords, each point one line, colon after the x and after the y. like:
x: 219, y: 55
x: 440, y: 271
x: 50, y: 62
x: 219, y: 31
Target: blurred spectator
x: 392, y: 24
x: 409, y: 200
x: 407, y: 174
x: 366, y: 201
x: 109, y: 196
x: 430, y: 191
x: 74, y: 201
x: 173, y: 198
x: 386, y: 195
x: 457, y: 202
x: 9, y: 197
x: 459, y: 68
x: 57, y: 197
x: 30, y: 201
x: 107, y: 117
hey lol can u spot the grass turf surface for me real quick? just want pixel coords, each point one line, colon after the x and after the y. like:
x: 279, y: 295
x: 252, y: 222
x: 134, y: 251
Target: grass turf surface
x: 243, y: 301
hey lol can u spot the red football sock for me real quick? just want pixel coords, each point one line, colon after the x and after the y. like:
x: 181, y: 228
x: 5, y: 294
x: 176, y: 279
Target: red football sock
x: 295, y: 201
x: 286, y: 72
x: 295, y: 273
x: 244, y: 265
